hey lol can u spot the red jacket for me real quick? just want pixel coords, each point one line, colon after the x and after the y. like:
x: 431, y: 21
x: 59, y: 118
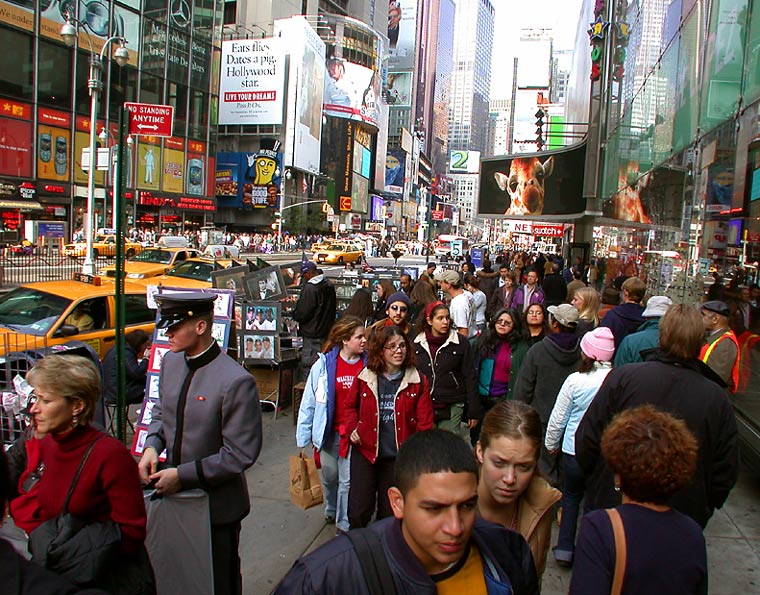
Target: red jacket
x: 413, y: 409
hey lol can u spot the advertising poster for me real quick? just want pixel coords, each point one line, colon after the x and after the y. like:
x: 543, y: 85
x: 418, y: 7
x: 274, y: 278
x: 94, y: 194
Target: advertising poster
x: 53, y: 151
x: 173, y: 171
x: 395, y: 164
x: 399, y: 89
x: 148, y: 158
x: 227, y: 188
x: 15, y: 148
x: 402, y: 33
x: 196, y: 173
x: 532, y: 185
x: 656, y: 197
x: 351, y: 91
x: 303, y: 133
x: 359, y: 194
x: 252, y: 81
x: 464, y: 162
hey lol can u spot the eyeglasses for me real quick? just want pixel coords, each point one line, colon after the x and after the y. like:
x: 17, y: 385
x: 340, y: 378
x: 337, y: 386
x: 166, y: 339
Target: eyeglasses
x: 395, y: 348
x: 504, y: 323
x: 398, y: 308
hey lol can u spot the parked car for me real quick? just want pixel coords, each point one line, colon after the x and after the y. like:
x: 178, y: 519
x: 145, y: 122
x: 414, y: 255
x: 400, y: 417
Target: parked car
x: 35, y: 315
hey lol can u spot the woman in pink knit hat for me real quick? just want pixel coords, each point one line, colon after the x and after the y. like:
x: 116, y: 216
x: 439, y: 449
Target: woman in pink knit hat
x: 576, y: 394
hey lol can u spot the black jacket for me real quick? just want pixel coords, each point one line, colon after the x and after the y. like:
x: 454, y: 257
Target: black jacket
x: 24, y: 577
x: 489, y: 282
x: 686, y: 391
x: 334, y: 567
x: 315, y: 310
x: 555, y: 289
x: 452, y: 374
x: 134, y: 375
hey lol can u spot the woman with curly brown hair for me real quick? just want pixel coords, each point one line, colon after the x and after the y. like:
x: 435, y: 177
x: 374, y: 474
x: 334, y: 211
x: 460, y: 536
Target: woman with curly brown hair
x: 652, y: 456
x: 388, y: 402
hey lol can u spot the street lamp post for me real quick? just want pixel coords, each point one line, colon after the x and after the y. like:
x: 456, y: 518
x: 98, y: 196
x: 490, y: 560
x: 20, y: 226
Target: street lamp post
x: 69, y: 32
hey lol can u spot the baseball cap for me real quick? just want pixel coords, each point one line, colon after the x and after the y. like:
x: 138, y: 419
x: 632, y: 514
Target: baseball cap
x: 718, y: 307
x: 448, y: 276
x: 599, y: 344
x: 565, y: 314
x: 308, y: 266
x: 175, y: 308
x: 657, y: 305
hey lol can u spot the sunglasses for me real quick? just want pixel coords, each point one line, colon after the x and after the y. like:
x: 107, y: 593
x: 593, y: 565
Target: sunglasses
x: 399, y: 308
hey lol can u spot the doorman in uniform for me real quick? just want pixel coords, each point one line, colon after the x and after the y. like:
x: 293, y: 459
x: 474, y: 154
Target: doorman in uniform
x: 208, y: 419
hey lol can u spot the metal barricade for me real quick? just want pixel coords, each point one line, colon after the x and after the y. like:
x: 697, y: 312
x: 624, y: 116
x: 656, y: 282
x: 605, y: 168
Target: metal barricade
x: 13, y: 412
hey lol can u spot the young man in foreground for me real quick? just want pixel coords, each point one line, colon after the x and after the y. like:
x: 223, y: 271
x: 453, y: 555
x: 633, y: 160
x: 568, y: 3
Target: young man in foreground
x: 434, y: 543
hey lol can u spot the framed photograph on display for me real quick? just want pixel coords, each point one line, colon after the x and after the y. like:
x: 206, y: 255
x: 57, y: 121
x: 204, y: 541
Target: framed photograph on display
x: 231, y: 279
x: 291, y: 274
x: 220, y: 334
x: 261, y: 316
x: 265, y: 285
x: 146, y: 415
x: 258, y: 346
x: 223, y: 304
x: 156, y: 357
x: 289, y: 326
x: 152, y: 388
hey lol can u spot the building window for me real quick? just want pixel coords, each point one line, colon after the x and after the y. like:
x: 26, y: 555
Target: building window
x: 54, y: 75
x: 177, y: 96
x: 16, y: 75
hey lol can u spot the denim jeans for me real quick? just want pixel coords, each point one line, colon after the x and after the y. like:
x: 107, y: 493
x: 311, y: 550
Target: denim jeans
x: 336, y: 479
x: 309, y: 354
x: 573, y: 486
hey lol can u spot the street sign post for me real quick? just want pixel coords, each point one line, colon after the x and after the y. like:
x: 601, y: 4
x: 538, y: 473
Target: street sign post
x: 456, y: 248
x: 150, y: 119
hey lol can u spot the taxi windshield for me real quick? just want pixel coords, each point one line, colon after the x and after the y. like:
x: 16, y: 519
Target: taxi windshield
x: 30, y: 311
x: 192, y: 269
x: 156, y: 256
x: 337, y: 248
x: 101, y: 239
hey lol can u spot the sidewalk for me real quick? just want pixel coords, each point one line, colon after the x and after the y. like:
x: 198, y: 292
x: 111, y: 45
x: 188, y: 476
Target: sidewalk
x: 277, y: 532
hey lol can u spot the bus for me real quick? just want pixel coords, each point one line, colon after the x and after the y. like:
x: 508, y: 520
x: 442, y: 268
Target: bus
x: 443, y: 244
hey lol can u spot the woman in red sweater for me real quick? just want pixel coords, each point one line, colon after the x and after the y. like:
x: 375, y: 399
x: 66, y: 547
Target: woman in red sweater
x: 66, y: 390
x: 389, y: 401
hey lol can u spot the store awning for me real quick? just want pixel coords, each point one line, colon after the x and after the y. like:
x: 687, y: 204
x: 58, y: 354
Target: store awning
x: 20, y: 204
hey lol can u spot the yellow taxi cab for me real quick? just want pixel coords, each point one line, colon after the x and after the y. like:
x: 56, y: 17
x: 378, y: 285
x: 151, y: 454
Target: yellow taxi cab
x: 151, y: 262
x: 103, y: 245
x: 49, y: 313
x: 338, y: 253
x: 192, y: 273
x: 319, y: 246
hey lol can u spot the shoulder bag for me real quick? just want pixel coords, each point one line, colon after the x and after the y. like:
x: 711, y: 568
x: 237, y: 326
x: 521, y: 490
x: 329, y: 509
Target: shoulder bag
x: 618, y: 531
x: 80, y: 551
x: 369, y: 550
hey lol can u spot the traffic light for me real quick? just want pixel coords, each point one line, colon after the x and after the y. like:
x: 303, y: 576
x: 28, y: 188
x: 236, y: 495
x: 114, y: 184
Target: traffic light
x: 540, y: 128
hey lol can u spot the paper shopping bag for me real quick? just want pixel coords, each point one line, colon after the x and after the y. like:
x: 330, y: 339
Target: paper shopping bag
x: 305, y: 487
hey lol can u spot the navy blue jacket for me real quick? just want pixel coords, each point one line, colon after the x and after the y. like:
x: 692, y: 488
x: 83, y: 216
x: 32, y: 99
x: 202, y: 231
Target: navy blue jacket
x: 334, y: 568
x: 623, y: 320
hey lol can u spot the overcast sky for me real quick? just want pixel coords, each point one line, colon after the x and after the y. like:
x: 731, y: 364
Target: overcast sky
x: 511, y: 16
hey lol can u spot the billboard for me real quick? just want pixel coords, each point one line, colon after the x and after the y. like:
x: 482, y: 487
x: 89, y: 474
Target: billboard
x: 252, y: 81
x: 398, y: 90
x: 395, y: 166
x: 656, y: 197
x: 303, y: 132
x: 402, y: 34
x: 464, y: 162
x: 351, y: 91
x: 532, y: 185
x: 249, y: 180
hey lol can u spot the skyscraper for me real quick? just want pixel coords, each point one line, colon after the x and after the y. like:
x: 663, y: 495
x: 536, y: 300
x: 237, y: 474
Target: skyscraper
x: 471, y: 81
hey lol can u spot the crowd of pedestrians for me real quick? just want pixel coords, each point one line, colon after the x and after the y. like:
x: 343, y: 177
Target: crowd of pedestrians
x: 463, y: 413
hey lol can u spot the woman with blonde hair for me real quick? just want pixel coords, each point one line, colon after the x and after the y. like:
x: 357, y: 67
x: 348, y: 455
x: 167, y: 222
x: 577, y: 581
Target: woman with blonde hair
x: 321, y: 419
x: 586, y: 301
x: 510, y: 490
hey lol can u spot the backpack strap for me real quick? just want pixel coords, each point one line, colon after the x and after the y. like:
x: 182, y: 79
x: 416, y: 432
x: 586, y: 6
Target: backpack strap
x: 77, y: 474
x: 369, y: 550
x: 620, y: 551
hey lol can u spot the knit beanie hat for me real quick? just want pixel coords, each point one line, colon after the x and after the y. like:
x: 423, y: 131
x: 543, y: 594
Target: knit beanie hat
x: 399, y: 296
x: 599, y: 344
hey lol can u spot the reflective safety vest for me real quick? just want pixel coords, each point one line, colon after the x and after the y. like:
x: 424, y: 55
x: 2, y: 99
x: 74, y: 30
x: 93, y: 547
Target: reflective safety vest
x: 708, y: 348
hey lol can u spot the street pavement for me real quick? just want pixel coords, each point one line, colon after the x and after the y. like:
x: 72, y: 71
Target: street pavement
x: 277, y: 532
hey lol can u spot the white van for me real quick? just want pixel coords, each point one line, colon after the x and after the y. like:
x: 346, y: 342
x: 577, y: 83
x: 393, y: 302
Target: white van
x: 173, y: 242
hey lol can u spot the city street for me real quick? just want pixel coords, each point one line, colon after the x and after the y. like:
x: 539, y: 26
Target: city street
x: 277, y: 532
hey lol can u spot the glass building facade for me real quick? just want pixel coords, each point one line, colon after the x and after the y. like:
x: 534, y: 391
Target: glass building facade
x: 45, y: 115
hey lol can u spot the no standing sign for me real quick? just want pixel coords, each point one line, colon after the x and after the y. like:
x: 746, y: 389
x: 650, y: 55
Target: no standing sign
x: 147, y: 118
